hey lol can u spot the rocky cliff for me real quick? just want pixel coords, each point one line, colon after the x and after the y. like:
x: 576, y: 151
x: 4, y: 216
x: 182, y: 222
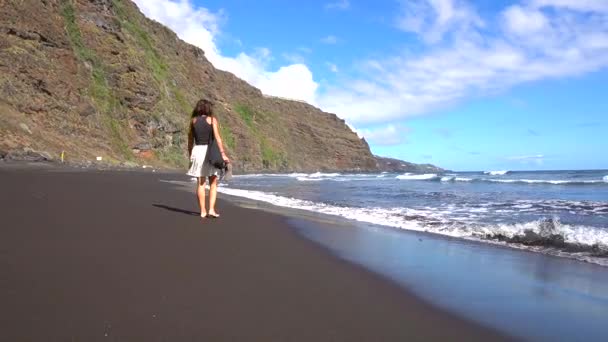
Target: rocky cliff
x: 97, y: 78
x: 396, y: 165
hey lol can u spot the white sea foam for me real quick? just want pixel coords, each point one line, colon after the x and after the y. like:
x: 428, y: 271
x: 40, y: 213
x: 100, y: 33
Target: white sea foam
x: 317, y: 176
x: 427, y: 176
x: 308, y: 179
x: 336, y: 177
x: 463, y: 221
x: 543, y: 181
x: 449, y: 221
x: 296, y: 175
x: 390, y: 217
x: 255, y: 175
x: 497, y: 173
x: 583, y: 235
x: 523, y: 206
x: 455, y: 179
x: 577, y: 207
x: 320, y: 174
x: 450, y: 178
x: 292, y: 175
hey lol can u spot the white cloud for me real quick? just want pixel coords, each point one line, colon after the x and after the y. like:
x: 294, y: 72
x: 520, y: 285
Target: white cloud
x: 197, y: 26
x: 465, y: 56
x: 385, y: 136
x: 294, y: 58
x: 200, y: 27
x: 338, y: 5
x: 578, y: 5
x: 332, y: 67
x: 305, y: 49
x: 329, y: 40
x: 520, y: 20
x: 293, y: 82
x: 432, y: 19
x: 528, y: 43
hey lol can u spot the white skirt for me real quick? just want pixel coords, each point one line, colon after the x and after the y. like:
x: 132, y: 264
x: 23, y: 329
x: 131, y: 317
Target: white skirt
x: 199, y: 166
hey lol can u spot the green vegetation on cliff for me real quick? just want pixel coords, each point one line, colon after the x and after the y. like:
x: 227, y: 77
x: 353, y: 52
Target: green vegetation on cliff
x: 172, y: 103
x: 99, y: 91
x: 73, y: 32
x: 154, y: 60
x: 97, y: 78
x: 272, y: 157
x: 227, y: 137
x: 246, y: 114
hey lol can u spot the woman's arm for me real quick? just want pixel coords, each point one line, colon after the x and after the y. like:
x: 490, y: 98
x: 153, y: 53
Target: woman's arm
x: 218, y: 138
x: 190, y: 139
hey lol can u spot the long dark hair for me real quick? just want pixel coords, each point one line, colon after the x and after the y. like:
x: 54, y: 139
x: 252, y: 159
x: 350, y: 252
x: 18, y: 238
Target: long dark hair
x: 203, y: 107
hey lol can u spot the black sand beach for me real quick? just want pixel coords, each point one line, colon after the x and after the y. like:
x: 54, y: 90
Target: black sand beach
x: 121, y: 256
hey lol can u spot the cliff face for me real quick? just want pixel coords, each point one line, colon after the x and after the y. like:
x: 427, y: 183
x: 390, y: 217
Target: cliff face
x: 396, y: 165
x: 97, y: 78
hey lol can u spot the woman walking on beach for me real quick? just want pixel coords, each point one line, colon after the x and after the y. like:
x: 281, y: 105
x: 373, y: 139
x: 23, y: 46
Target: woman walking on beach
x: 204, y: 128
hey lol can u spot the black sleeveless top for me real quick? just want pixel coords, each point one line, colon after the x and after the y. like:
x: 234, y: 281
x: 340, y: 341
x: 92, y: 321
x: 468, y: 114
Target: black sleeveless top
x: 202, y: 131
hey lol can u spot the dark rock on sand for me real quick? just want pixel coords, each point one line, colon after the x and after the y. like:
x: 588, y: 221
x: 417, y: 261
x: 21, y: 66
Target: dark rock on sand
x: 28, y: 155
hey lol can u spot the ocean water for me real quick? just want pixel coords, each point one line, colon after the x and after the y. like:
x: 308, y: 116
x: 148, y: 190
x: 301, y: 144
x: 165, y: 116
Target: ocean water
x: 561, y: 213
x: 521, y: 252
x: 527, y: 295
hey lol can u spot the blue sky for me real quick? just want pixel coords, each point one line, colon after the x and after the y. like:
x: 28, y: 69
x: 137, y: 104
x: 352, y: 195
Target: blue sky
x: 463, y: 84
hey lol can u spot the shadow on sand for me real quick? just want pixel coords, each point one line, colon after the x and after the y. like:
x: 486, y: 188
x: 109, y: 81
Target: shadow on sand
x: 178, y: 210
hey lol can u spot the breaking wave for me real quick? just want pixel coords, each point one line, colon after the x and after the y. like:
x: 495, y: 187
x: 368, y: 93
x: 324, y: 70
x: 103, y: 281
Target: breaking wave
x: 552, y: 237
x: 542, y: 181
x: 456, y: 179
x: 427, y: 176
x: 309, y: 179
x: 548, y: 236
x: 318, y: 176
x: 496, y: 173
x: 452, y: 178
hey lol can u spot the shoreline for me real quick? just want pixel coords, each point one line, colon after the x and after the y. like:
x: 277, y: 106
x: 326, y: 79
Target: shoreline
x: 598, y: 260
x: 92, y: 255
x: 565, y: 291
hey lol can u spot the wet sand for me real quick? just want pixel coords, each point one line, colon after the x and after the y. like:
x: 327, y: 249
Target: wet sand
x: 114, y: 256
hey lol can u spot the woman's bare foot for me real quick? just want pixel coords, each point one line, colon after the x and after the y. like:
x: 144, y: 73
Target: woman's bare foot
x: 203, y: 214
x: 213, y: 214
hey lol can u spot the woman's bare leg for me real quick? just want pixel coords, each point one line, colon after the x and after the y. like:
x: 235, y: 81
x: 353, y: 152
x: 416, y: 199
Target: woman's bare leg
x: 200, y: 193
x: 212, y: 195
